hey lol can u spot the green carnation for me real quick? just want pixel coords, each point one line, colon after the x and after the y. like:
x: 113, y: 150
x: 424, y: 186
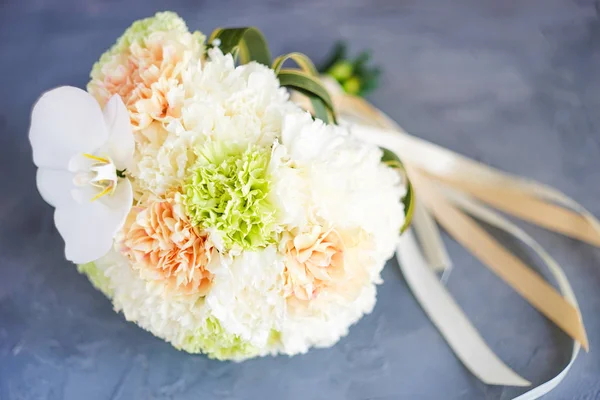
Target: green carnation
x: 166, y: 21
x: 217, y: 343
x: 97, y: 277
x: 228, y: 191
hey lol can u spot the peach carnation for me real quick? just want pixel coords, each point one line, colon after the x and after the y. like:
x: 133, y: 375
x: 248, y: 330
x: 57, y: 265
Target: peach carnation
x: 314, y: 261
x: 164, y: 246
x: 147, y: 76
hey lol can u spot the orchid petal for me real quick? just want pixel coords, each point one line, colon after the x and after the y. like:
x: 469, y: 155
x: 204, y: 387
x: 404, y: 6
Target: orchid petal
x: 79, y: 162
x: 88, y: 228
x: 120, y: 145
x: 120, y: 201
x: 55, y: 186
x: 84, y: 194
x: 65, y: 121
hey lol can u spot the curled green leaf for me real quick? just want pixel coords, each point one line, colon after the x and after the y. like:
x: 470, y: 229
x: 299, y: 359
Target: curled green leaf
x: 247, y: 43
x: 302, y: 60
x: 311, y: 87
x: 392, y: 160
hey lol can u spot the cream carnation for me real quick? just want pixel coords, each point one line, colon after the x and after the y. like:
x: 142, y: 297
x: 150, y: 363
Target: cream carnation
x: 247, y: 295
x: 324, y: 321
x: 170, y: 317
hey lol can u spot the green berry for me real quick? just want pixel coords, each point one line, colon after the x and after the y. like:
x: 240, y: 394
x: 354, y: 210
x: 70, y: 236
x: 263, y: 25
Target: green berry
x: 352, y: 85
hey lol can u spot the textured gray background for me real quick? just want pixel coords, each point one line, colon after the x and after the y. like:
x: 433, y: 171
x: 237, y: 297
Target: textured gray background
x: 513, y: 83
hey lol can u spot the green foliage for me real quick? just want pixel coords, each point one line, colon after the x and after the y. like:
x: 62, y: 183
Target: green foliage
x: 353, y: 75
x: 248, y: 43
x: 391, y: 159
x: 313, y: 88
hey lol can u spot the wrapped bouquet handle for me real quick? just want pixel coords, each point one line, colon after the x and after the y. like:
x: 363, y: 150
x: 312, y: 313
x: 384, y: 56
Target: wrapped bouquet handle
x: 451, y: 188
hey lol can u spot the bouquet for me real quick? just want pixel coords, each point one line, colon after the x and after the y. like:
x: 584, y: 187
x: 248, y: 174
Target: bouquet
x: 196, y: 192
x: 212, y: 210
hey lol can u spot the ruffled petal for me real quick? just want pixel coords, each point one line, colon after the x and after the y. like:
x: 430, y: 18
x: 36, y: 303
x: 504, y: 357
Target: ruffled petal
x: 65, y: 121
x: 120, y: 145
x: 55, y: 186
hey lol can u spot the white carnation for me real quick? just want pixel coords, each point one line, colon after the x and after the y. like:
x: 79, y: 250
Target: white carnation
x: 324, y: 321
x: 171, y: 317
x: 323, y: 174
x: 247, y: 297
x: 322, y: 171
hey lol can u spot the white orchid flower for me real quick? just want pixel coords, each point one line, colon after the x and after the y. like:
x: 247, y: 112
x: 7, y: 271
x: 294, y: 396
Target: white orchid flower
x: 83, y: 154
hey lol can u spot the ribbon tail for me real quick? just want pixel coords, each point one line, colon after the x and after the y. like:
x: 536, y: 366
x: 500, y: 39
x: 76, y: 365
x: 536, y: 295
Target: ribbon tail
x: 493, y: 218
x: 450, y: 320
x: 524, y: 280
x: 430, y: 239
x: 532, y: 205
x: 529, y: 200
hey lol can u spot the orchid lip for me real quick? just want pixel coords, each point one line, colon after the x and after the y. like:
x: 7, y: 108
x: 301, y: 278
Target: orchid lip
x: 102, y: 175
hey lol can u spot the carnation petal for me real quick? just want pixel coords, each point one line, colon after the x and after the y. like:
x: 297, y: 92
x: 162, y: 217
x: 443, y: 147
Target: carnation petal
x: 65, y: 121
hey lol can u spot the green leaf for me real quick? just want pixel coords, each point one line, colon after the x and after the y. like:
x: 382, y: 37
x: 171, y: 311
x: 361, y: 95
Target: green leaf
x: 409, y: 206
x: 338, y: 53
x: 320, y: 110
x: 299, y: 80
x: 361, y: 61
x: 311, y: 87
x: 302, y: 60
x: 370, y: 80
x: 248, y: 43
x: 391, y: 159
x: 306, y: 81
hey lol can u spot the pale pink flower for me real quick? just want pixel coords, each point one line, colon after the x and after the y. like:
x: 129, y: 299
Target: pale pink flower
x: 164, y: 246
x: 315, y: 261
x: 147, y: 77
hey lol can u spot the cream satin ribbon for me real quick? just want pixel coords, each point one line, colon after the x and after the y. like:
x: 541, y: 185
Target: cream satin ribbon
x: 451, y: 188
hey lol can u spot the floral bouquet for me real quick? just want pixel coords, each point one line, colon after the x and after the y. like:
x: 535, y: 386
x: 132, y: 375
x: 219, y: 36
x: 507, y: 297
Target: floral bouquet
x: 212, y: 210
x: 196, y: 192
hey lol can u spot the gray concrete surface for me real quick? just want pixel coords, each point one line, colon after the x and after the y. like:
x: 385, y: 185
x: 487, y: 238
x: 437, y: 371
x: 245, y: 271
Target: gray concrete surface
x: 513, y: 83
